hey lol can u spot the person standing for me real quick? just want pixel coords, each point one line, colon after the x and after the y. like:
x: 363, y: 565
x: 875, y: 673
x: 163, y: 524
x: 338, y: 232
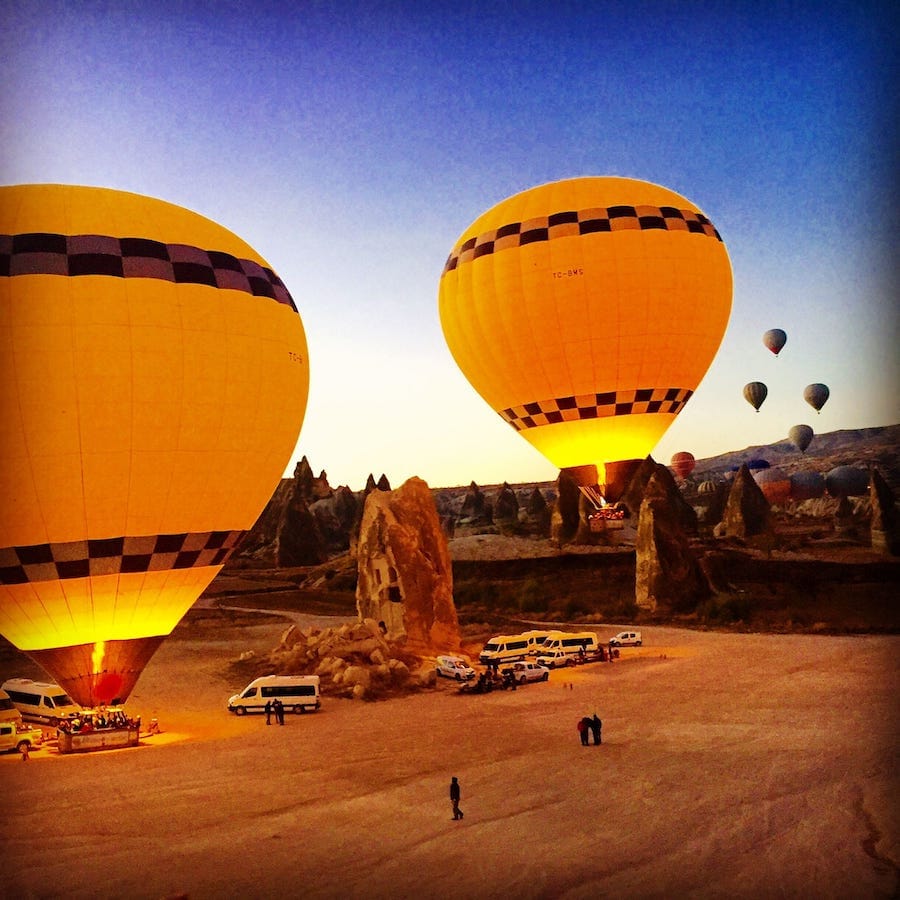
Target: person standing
x: 582, y: 727
x: 268, y: 709
x: 279, y: 712
x: 454, y: 798
x: 596, y: 725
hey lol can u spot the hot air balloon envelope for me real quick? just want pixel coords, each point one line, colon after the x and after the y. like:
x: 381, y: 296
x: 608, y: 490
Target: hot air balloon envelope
x: 683, y: 463
x: 847, y: 481
x: 755, y: 393
x: 801, y: 436
x: 586, y: 312
x: 153, y: 380
x: 775, y: 339
x: 775, y: 485
x: 807, y: 485
x: 816, y: 395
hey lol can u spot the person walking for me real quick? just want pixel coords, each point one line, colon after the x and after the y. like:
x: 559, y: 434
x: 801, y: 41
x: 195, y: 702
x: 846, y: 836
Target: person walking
x: 582, y: 727
x: 268, y: 709
x: 596, y: 725
x: 454, y: 798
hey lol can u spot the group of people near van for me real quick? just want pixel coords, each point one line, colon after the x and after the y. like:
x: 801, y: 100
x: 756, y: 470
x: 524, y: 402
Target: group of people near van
x: 588, y: 726
x: 274, y: 708
x: 98, y: 720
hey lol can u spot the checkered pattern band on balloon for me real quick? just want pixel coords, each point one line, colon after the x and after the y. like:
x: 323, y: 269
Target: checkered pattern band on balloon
x: 596, y: 406
x: 116, y: 556
x: 581, y: 222
x: 95, y: 254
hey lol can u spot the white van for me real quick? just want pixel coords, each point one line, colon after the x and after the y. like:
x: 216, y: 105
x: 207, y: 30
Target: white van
x: 536, y: 640
x: 504, y: 648
x: 40, y: 701
x: 8, y: 711
x: 625, y: 639
x: 566, y: 644
x: 298, y: 693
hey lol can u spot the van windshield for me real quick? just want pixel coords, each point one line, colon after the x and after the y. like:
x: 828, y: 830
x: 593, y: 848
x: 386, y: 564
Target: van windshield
x: 61, y: 700
x: 491, y: 646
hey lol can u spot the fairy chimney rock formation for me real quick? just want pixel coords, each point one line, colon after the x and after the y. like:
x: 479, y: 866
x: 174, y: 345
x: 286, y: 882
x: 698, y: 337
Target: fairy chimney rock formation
x: 885, y: 534
x: 405, y: 578
x: 746, y: 510
x: 506, y: 506
x: 667, y: 573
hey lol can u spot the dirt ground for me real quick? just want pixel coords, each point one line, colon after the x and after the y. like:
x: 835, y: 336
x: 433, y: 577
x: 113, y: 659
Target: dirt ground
x: 732, y: 765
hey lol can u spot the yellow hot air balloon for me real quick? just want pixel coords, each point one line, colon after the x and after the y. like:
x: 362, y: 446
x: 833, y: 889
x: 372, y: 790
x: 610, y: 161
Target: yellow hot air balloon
x: 586, y: 312
x: 153, y: 381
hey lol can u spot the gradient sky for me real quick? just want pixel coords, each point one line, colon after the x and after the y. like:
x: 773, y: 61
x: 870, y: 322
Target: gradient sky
x: 350, y: 143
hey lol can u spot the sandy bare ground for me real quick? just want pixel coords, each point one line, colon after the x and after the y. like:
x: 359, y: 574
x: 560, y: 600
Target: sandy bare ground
x: 732, y: 766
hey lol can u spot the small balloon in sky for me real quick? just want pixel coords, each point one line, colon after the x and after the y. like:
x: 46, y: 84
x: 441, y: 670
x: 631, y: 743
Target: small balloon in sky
x: 682, y: 463
x: 153, y: 382
x: 801, y: 436
x: 586, y: 312
x: 775, y: 339
x: 755, y: 393
x: 816, y: 395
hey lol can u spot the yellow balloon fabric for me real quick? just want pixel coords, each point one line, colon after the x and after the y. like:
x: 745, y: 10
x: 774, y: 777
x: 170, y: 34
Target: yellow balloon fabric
x: 153, y: 382
x: 586, y: 312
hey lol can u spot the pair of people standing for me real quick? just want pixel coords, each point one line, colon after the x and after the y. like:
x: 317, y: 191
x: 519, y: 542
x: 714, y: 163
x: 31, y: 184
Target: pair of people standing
x: 275, y: 708
x: 590, y: 725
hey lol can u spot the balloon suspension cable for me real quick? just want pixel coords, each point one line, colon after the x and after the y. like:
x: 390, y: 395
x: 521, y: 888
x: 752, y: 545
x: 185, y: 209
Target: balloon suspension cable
x: 593, y: 495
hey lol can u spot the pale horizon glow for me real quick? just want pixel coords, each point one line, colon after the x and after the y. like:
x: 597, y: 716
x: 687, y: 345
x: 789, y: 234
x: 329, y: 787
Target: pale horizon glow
x: 351, y: 143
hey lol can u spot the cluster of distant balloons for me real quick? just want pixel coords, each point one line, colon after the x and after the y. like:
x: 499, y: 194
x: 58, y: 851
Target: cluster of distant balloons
x: 816, y: 395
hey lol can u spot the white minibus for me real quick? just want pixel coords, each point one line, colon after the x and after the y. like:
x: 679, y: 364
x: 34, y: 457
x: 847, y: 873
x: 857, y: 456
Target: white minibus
x: 40, y: 701
x: 504, y: 648
x: 298, y: 693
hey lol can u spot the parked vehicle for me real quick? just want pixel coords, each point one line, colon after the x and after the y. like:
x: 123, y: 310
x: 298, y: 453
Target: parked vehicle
x: 504, y: 649
x: 523, y: 672
x: 626, y: 638
x: 8, y: 711
x: 556, y: 659
x: 536, y: 640
x: 454, y: 667
x: 298, y: 693
x: 15, y: 735
x: 40, y: 701
x: 569, y: 644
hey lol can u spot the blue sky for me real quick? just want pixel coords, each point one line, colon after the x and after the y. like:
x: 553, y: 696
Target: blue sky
x: 352, y: 142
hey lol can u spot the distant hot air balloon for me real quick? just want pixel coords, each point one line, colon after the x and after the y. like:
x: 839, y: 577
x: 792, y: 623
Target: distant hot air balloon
x: 775, y: 485
x: 755, y: 394
x: 682, y: 463
x: 609, y: 298
x: 153, y: 381
x: 775, y: 339
x: 708, y: 487
x: 847, y: 481
x: 807, y: 485
x: 801, y: 436
x: 754, y: 465
x: 816, y: 395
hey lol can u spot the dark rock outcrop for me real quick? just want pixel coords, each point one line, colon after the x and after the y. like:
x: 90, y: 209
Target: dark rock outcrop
x: 885, y: 534
x: 747, y: 511
x: 565, y: 516
x: 506, y: 506
x: 667, y: 572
